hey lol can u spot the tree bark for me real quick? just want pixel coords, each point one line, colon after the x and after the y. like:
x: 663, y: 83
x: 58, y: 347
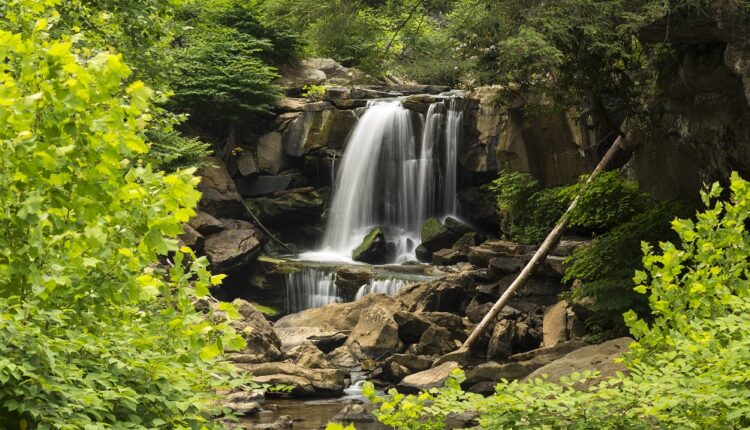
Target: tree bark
x: 540, y: 255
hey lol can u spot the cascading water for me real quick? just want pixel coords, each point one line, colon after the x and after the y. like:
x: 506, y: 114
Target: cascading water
x: 310, y: 288
x: 389, y: 286
x: 393, y: 177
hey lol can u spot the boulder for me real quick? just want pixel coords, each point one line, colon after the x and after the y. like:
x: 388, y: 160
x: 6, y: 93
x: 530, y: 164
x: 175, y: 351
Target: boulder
x: 346, y: 357
x: 307, y: 382
x: 244, y: 403
x: 430, y: 378
x: 294, y: 207
x: 501, y: 266
x: 398, y: 366
x: 501, y: 340
x: 350, y: 278
x: 555, y: 324
x: 262, y: 342
x: 376, y: 333
x: 271, y: 156
x: 448, y: 257
x: 205, y: 223
x: 263, y: 185
x: 328, y: 342
x: 284, y: 422
x: 309, y: 356
x: 481, y: 255
x: 353, y: 413
x: 436, y: 236
x: 372, y: 249
x: 289, y: 104
x: 318, y: 128
x: 234, y: 247
x: 410, y: 326
x: 435, y: 296
x: 190, y: 237
x: 435, y: 341
x: 246, y: 165
x: 458, y: 226
x: 461, y: 420
x: 465, y: 242
x: 219, y: 194
x: 601, y: 358
x: 423, y: 254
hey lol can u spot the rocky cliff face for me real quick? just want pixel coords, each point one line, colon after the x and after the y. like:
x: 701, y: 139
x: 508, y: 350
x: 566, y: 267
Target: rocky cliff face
x: 701, y: 129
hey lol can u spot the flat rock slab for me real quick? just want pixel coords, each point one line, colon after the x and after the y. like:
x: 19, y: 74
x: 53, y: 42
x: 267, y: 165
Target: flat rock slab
x: 427, y: 379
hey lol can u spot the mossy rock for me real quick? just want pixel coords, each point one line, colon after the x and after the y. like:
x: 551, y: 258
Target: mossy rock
x: 373, y: 248
x: 436, y: 236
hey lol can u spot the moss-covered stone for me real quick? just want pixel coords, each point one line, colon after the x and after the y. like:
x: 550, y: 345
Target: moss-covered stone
x: 436, y: 236
x: 372, y: 249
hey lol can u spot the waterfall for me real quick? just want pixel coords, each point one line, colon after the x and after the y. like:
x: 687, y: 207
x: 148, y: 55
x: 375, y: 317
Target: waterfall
x: 452, y: 140
x: 393, y: 176
x: 389, y: 286
x: 310, y: 288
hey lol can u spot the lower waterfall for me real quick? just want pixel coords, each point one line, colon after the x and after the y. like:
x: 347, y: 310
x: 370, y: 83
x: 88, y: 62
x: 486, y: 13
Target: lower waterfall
x: 389, y: 286
x: 311, y: 288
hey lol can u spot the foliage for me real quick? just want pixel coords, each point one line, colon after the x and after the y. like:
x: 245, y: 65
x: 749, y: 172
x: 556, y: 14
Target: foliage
x: 605, y: 268
x: 94, y: 332
x: 314, y: 92
x: 220, y: 77
x: 688, y: 368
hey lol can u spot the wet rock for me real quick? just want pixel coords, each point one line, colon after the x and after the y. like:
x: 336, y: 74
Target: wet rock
x: 244, y: 403
x: 423, y: 254
x: 458, y: 226
x: 461, y: 420
x: 282, y: 423
x: 350, y: 278
x: 219, y: 194
x: 271, y: 156
x: 353, y: 414
x: 234, y: 247
x: 190, y: 237
x: 431, y: 378
x: 205, y: 223
x: 308, y: 355
x: 376, y: 333
x: 264, y: 185
x: 372, y: 249
x: 307, y: 382
x: 416, y: 106
x: 436, y: 236
x: 601, y: 358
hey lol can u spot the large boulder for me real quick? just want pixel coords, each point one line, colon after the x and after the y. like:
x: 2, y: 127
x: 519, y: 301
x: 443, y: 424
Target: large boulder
x: 234, y: 247
x: 205, y: 223
x: 309, y: 356
x: 601, y: 358
x: 270, y: 153
x: 262, y: 342
x: 220, y: 197
x: 432, y: 296
x: 349, y: 278
x: 306, y: 382
x: 376, y: 333
x: 191, y: 238
x: 435, y: 341
x: 373, y: 248
x: 430, y: 378
x: 293, y: 207
x: 353, y: 413
x: 398, y: 366
x: 436, y: 236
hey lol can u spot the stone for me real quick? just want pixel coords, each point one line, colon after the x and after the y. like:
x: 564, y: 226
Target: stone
x: 423, y: 254
x: 410, y: 326
x: 234, y: 247
x: 328, y: 342
x: 436, y: 236
x: 246, y: 164
x: 353, y: 413
x: 270, y: 153
x: 430, y: 378
x: 501, y: 340
x: 567, y: 246
x: 317, y: 106
x: 435, y: 341
x: 555, y: 324
x: 307, y: 382
x: 345, y: 357
x: 244, y: 403
x: 293, y: 207
x: 372, y: 249
x: 398, y: 366
x: 501, y: 266
x: 284, y: 422
x: 481, y: 255
x: 262, y: 342
x: 448, y: 257
x: 219, y: 194
x: 480, y: 208
x: 457, y: 226
x: 191, y: 238
x: 263, y: 185
x: 461, y: 420
x: 350, y: 278
x: 205, y: 223
x: 416, y: 106
x: 432, y: 296
x: 314, y: 130
x: 309, y: 356
x: 464, y: 243
x: 601, y: 358
x: 350, y: 103
x: 554, y: 266
x: 376, y: 333
x: 289, y: 104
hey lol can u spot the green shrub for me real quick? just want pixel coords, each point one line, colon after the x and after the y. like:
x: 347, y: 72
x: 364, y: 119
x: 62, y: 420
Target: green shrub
x: 687, y: 370
x: 94, y: 331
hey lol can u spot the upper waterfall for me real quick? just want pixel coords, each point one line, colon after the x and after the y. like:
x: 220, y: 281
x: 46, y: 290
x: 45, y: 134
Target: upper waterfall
x: 399, y: 168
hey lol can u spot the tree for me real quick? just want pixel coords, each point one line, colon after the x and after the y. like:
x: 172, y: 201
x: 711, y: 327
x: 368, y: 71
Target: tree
x: 97, y: 327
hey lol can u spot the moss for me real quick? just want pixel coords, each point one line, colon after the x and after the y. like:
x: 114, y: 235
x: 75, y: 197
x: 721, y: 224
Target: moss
x: 367, y: 243
x: 431, y: 229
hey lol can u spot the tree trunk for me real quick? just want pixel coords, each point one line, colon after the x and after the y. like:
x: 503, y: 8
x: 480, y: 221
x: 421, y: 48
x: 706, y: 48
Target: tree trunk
x: 540, y: 255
